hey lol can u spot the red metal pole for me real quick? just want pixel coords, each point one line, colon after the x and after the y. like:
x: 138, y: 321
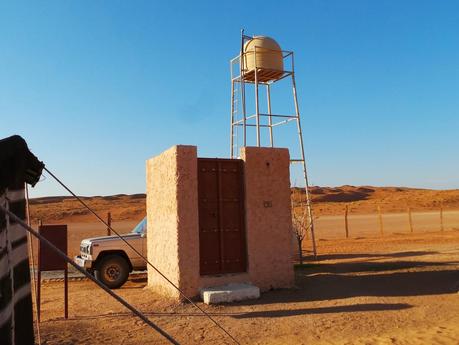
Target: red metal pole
x: 38, y: 289
x: 66, y: 292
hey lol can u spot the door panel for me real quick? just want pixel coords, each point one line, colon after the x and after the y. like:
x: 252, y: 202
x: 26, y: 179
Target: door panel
x: 221, y: 216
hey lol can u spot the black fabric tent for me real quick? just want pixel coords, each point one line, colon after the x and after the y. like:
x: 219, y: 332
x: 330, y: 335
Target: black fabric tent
x: 17, y: 167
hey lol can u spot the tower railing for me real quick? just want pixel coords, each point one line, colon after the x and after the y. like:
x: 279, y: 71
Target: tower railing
x: 240, y: 119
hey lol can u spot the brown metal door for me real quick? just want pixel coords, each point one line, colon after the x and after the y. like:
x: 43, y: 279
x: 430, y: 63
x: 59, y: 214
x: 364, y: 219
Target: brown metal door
x: 221, y: 216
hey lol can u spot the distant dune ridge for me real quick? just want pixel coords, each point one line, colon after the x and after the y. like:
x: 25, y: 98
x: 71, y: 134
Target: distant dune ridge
x: 326, y: 201
x: 68, y: 209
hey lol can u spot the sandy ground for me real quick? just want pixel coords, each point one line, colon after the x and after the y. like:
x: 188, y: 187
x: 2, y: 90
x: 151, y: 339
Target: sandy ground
x: 399, y: 289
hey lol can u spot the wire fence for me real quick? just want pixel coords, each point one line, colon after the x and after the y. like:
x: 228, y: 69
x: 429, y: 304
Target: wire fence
x: 349, y: 225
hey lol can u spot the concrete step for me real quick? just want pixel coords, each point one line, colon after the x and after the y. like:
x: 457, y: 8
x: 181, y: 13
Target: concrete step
x: 229, y: 293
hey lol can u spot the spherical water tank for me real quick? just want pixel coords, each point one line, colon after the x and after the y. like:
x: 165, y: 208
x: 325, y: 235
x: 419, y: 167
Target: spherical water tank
x: 267, y: 57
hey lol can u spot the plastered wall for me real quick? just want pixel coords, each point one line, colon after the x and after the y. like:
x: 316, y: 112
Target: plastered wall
x: 268, y: 216
x: 172, y: 218
x: 173, y: 222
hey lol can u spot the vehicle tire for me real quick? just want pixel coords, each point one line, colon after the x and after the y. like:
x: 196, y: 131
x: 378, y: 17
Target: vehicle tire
x: 113, y: 271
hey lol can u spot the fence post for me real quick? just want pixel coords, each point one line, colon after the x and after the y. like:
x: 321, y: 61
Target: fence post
x: 410, y: 220
x: 441, y: 217
x: 346, y: 224
x: 109, y: 222
x: 381, y: 227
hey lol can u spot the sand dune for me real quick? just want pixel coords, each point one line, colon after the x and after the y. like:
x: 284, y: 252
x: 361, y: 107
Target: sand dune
x: 326, y: 201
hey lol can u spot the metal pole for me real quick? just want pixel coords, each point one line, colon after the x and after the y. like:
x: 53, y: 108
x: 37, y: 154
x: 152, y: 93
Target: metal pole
x: 66, y: 292
x: 232, y: 121
x: 300, y: 135
x: 33, y: 277
x: 40, y: 223
x: 109, y: 222
x: 257, y: 113
x: 270, y: 119
x: 241, y: 75
x: 381, y: 225
x: 441, y: 217
x: 346, y: 223
x: 410, y: 220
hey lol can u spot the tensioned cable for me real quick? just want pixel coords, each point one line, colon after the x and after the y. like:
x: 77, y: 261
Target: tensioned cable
x: 106, y: 289
x: 143, y: 257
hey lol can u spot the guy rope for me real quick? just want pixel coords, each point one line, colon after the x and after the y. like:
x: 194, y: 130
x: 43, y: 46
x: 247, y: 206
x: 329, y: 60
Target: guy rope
x: 89, y: 276
x: 110, y: 292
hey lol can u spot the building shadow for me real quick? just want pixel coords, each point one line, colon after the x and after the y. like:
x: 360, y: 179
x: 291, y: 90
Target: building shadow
x: 367, y: 307
x: 143, y: 280
x: 332, y: 286
x: 355, y: 267
x: 325, y: 310
x: 369, y: 255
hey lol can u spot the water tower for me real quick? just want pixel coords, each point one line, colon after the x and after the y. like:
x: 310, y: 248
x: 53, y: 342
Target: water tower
x: 260, y: 64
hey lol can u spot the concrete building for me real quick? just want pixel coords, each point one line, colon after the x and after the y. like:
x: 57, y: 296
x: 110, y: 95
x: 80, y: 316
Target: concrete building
x: 213, y: 222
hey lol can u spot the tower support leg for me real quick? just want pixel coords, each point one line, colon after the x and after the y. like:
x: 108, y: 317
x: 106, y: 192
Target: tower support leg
x: 305, y: 173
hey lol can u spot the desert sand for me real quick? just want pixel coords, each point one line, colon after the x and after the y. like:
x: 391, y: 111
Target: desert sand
x: 400, y: 288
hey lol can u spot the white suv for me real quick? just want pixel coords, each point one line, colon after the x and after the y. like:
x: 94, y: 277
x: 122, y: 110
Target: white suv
x: 111, y: 259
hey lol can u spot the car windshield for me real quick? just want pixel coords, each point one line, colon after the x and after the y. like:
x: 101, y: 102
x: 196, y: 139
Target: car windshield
x: 140, y: 228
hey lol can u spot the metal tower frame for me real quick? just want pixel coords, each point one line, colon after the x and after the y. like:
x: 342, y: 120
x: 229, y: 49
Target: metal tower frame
x: 265, y: 78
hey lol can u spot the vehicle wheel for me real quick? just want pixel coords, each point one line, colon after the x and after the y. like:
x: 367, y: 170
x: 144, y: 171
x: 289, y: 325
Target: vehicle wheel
x: 113, y: 271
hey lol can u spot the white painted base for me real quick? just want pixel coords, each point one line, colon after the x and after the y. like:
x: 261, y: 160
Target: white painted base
x: 229, y: 293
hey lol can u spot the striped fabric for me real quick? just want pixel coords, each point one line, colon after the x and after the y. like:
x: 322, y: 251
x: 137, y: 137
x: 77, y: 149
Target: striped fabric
x: 16, y: 320
x: 17, y: 166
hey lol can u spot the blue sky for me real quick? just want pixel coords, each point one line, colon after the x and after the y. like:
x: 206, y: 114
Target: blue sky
x: 98, y: 87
